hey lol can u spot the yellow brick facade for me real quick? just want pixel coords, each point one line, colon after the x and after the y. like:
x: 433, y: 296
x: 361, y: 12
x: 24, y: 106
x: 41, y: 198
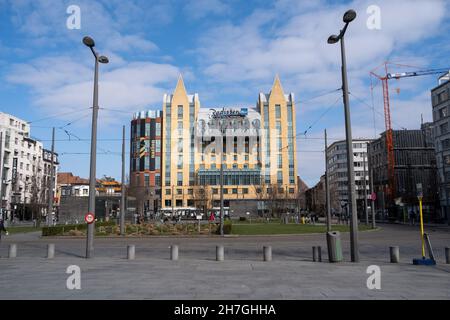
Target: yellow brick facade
x: 176, y: 195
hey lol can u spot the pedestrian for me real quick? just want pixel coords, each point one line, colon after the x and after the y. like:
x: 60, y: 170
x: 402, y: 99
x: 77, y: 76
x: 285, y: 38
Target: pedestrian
x: 2, y: 228
x: 412, y: 217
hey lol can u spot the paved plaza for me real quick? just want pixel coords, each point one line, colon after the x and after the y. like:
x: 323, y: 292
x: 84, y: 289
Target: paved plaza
x: 243, y: 275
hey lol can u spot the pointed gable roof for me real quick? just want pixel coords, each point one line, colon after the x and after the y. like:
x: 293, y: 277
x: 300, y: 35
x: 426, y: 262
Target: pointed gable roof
x: 277, y: 87
x: 180, y: 89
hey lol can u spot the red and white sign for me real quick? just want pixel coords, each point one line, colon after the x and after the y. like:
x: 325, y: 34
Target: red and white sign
x: 373, y: 196
x: 89, y: 218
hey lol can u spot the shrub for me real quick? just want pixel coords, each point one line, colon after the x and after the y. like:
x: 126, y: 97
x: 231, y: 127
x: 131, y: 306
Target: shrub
x: 227, y: 226
x: 76, y: 233
x: 59, y: 230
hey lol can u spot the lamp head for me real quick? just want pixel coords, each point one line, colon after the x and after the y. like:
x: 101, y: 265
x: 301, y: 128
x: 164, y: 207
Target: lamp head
x: 333, y: 39
x: 349, y: 16
x: 89, y: 42
x: 103, y: 59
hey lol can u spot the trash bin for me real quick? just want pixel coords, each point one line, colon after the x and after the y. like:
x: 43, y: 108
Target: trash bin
x: 334, y: 246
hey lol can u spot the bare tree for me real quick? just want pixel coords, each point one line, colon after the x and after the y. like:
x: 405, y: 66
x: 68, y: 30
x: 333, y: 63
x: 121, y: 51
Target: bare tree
x: 275, y: 200
x: 38, y: 187
x: 262, y: 196
x: 202, y: 197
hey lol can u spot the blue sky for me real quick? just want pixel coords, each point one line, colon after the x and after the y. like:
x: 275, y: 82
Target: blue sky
x: 227, y: 52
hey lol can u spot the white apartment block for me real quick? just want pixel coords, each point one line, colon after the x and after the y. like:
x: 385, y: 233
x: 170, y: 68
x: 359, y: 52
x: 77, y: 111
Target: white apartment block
x: 337, y: 172
x: 25, y: 168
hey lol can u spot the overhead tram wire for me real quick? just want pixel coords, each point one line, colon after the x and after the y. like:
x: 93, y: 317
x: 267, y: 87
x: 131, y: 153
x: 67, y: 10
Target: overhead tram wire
x: 314, y: 122
x: 375, y: 110
x: 57, y: 115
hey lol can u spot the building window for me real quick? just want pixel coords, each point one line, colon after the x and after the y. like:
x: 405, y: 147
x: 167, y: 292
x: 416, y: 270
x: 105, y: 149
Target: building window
x: 158, y: 179
x: 277, y: 111
x: 179, y: 191
x: 179, y: 178
x: 215, y: 191
x: 147, y: 163
x: 279, y: 127
x: 180, y: 162
x: 168, y: 192
x: 158, y: 129
x: 168, y: 203
x: 280, y: 177
x: 444, y: 128
x: 147, y: 180
x: 245, y: 190
x: 235, y: 191
x: 280, y: 161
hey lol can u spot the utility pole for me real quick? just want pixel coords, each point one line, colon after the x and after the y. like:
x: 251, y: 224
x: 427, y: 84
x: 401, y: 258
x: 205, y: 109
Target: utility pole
x: 354, y: 251
x: 89, y: 42
x: 221, y: 178
x: 327, y: 186
x: 122, y: 200
x: 349, y: 16
x: 366, y: 213
x: 50, y: 184
x: 372, y: 192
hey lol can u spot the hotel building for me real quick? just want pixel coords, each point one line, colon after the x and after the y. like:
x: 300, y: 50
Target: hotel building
x: 256, y: 146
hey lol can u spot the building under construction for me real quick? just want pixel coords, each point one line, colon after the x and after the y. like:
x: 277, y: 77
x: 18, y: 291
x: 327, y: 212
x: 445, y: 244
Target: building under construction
x: 415, y: 168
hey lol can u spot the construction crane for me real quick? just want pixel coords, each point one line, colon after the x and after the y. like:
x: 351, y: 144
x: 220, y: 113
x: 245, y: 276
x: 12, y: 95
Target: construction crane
x: 387, y: 112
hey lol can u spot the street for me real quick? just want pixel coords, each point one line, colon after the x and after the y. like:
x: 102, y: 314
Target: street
x: 243, y: 274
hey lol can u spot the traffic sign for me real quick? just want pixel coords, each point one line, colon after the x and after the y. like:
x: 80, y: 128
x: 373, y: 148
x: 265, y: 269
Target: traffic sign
x: 89, y: 218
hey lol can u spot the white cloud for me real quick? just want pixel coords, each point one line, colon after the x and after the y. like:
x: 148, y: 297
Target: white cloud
x: 197, y: 9
x: 117, y: 25
x: 64, y: 85
x: 250, y: 50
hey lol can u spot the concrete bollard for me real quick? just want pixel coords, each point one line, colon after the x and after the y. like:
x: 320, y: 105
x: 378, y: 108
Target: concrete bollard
x: 319, y: 253
x: 267, y: 253
x: 131, y: 252
x: 314, y: 254
x: 395, y: 254
x: 220, y: 255
x: 12, y: 251
x: 447, y: 255
x: 174, y: 252
x: 50, y: 251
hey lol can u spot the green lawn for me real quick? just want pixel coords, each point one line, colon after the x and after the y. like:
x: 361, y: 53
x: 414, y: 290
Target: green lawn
x: 13, y: 230
x: 272, y: 228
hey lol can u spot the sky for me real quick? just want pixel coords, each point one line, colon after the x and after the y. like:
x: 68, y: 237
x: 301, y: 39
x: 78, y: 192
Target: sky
x: 227, y: 52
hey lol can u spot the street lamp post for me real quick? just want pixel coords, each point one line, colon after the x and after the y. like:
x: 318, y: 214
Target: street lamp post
x: 89, y: 42
x: 221, y: 123
x: 349, y: 16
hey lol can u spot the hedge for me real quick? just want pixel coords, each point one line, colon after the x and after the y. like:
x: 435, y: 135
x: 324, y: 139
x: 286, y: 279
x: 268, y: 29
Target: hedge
x: 227, y: 226
x: 59, y: 230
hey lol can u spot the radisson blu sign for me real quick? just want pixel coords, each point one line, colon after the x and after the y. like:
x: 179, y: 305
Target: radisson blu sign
x: 235, y: 121
x: 228, y: 113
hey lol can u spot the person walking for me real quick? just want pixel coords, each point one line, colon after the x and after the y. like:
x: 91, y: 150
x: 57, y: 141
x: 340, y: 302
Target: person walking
x: 2, y: 228
x: 412, y: 217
